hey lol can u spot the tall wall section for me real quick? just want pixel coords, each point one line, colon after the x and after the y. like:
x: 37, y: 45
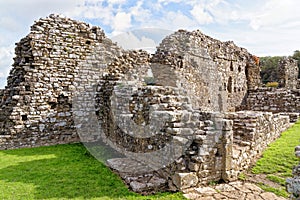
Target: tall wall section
x: 215, y: 74
x: 288, y: 73
x: 36, y: 103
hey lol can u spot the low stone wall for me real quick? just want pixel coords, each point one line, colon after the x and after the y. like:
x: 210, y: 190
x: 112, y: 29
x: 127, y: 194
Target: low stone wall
x: 273, y: 100
x: 252, y: 133
x: 210, y: 146
x: 293, y: 184
x: 220, y: 150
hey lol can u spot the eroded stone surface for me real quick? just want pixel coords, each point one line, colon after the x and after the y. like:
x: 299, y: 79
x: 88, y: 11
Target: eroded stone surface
x: 235, y: 190
x: 293, y: 184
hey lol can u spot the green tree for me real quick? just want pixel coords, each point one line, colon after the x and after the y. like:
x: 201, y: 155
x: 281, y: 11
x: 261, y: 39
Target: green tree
x: 269, y: 66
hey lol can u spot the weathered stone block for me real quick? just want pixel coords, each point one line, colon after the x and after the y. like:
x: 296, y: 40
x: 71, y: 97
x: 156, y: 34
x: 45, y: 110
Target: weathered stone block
x: 185, y: 180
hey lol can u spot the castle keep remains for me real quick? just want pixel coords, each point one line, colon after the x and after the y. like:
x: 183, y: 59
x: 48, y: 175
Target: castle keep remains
x: 191, y: 113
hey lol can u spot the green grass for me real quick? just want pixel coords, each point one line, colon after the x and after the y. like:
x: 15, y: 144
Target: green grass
x: 281, y: 181
x: 277, y: 191
x: 61, y: 172
x: 279, y: 158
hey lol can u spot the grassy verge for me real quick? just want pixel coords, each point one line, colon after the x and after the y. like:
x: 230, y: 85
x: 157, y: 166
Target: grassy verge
x: 278, y: 160
x: 61, y: 172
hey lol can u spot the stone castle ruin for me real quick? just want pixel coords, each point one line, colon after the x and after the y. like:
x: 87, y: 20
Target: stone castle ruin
x: 191, y: 113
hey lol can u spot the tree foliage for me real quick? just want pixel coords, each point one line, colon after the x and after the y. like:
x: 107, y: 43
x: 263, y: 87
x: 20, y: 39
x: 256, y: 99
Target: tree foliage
x: 269, y: 65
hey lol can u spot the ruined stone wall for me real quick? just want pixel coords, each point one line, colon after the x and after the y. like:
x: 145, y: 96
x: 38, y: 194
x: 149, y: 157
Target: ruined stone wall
x: 288, y: 73
x: 37, y: 101
x: 165, y: 113
x: 252, y: 133
x: 216, y: 75
x: 232, y: 142
x: 170, y: 145
x: 274, y: 100
x: 1, y: 94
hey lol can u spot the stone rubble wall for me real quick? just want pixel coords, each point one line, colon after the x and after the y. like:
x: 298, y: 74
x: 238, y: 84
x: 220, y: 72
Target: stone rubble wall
x: 293, y: 184
x: 1, y: 93
x: 252, y: 133
x: 274, y: 100
x: 215, y: 74
x: 242, y: 138
x: 70, y: 83
x: 37, y: 101
x: 288, y: 73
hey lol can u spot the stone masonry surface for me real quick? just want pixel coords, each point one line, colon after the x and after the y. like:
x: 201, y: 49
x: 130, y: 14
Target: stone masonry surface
x: 293, y: 184
x: 171, y: 116
x: 229, y: 191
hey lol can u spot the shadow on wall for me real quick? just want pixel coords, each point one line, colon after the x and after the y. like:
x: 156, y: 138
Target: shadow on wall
x: 64, y: 171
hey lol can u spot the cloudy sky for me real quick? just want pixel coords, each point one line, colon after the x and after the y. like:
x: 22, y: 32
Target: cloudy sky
x: 264, y: 27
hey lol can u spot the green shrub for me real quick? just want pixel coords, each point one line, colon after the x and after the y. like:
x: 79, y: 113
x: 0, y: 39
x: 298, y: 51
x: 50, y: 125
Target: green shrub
x: 272, y: 84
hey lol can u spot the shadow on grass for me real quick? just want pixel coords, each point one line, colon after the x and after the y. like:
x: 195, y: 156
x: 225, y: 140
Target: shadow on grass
x: 70, y: 173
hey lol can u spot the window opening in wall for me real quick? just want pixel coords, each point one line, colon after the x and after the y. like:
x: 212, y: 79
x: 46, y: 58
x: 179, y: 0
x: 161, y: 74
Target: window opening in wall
x: 246, y: 72
x: 26, y: 59
x: 231, y: 66
x: 52, y: 105
x: 88, y: 42
x: 24, y: 117
x: 240, y: 69
x: 94, y: 30
x: 27, y: 88
x: 229, y: 85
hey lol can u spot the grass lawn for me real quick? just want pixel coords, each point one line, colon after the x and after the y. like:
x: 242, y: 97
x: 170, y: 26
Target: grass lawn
x: 70, y: 172
x: 278, y: 160
x: 61, y: 172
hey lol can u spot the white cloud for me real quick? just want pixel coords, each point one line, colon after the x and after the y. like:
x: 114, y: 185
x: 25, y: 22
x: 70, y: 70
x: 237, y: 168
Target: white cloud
x: 207, y: 12
x: 121, y: 22
x: 93, y: 11
x: 164, y: 2
x: 172, y: 21
x: 130, y: 41
x: 6, y: 60
x: 201, y: 15
x: 116, y: 1
x: 276, y: 13
x: 140, y: 13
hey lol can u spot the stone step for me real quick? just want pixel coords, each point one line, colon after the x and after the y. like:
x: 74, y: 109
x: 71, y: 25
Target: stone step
x: 140, y: 177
